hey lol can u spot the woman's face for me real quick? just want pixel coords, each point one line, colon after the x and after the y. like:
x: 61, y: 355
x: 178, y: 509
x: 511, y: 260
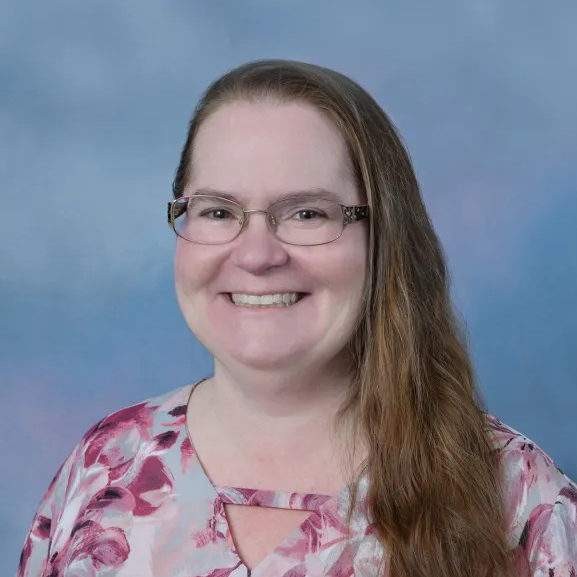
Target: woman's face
x: 259, y: 152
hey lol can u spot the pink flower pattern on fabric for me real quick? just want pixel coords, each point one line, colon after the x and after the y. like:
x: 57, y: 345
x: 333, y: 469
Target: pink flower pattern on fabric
x: 132, y: 500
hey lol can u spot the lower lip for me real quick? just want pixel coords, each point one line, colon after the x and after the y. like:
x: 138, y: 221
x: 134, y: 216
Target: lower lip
x: 258, y: 309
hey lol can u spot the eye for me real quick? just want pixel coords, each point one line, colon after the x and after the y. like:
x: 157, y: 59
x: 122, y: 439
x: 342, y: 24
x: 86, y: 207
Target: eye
x: 310, y: 211
x: 216, y: 210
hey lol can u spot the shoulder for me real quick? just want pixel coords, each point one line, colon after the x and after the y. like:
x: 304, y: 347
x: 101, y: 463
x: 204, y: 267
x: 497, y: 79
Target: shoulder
x: 118, y: 441
x: 153, y: 420
x: 520, y: 455
x: 143, y: 413
x: 540, y: 503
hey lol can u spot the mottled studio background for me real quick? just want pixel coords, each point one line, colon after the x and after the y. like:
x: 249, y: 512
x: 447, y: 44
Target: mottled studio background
x: 94, y: 102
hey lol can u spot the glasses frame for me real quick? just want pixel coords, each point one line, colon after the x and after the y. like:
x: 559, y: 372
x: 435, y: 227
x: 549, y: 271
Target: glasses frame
x: 351, y: 214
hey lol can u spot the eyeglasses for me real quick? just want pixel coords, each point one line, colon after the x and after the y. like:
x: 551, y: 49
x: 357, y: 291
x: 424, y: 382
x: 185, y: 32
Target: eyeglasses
x: 302, y: 220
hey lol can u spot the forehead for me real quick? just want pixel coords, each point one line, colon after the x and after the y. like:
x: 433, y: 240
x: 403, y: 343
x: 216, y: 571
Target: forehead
x: 266, y: 149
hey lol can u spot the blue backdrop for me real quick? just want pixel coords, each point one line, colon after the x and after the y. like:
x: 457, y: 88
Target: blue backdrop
x: 94, y: 102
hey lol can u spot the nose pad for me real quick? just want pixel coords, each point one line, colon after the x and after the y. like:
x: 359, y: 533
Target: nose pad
x: 272, y: 222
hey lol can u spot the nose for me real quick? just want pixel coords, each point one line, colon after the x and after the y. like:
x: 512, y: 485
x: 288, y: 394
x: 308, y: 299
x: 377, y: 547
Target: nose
x: 256, y: 247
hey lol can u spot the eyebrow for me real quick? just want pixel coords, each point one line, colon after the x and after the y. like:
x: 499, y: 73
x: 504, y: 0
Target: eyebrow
x: 310, y: 193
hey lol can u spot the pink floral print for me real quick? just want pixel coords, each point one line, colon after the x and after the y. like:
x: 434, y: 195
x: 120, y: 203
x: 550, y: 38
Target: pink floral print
x: 132, y: 500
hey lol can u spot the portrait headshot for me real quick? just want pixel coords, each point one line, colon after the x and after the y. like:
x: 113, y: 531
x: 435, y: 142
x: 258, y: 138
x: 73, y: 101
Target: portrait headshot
x: 297, y: 324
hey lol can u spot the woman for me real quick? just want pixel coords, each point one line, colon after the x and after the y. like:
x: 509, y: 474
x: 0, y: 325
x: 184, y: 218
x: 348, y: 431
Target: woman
x: 343, y: 437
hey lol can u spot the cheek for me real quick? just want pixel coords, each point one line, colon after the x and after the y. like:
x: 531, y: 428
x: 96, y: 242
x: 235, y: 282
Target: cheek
x: 349, y: 264
x: 181, y: 268
x: 190, y: 268
x: 343, y: 273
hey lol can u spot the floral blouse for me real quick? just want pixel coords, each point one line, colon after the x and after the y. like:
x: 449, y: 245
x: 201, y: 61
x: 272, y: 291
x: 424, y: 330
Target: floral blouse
x: 132, y: 500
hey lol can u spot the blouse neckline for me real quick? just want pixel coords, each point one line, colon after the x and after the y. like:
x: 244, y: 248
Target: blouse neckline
x: 319, y: 505
x: 271, y: 498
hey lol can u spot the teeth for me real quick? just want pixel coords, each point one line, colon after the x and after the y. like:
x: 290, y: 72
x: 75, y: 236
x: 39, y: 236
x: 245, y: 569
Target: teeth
x: 285, y: 299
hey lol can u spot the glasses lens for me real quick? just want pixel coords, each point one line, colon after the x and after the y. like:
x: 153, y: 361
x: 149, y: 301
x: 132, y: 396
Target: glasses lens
x: 206, y: 219
x: 307, y: 221
x: 302, y: 221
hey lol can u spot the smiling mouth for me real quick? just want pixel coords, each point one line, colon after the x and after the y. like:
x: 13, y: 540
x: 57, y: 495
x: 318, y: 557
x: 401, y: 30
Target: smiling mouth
x: 300, y: 297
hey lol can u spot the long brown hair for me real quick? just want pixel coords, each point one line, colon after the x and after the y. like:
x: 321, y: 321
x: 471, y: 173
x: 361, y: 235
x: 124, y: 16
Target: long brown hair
x: 434, y: 490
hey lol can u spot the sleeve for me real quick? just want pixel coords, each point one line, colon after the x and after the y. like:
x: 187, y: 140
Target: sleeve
x: 35, y: 556
x: 549, y: 538
x: 541, y: 509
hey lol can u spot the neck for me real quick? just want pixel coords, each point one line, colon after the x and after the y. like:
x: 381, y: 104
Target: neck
x: 274, y: 409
